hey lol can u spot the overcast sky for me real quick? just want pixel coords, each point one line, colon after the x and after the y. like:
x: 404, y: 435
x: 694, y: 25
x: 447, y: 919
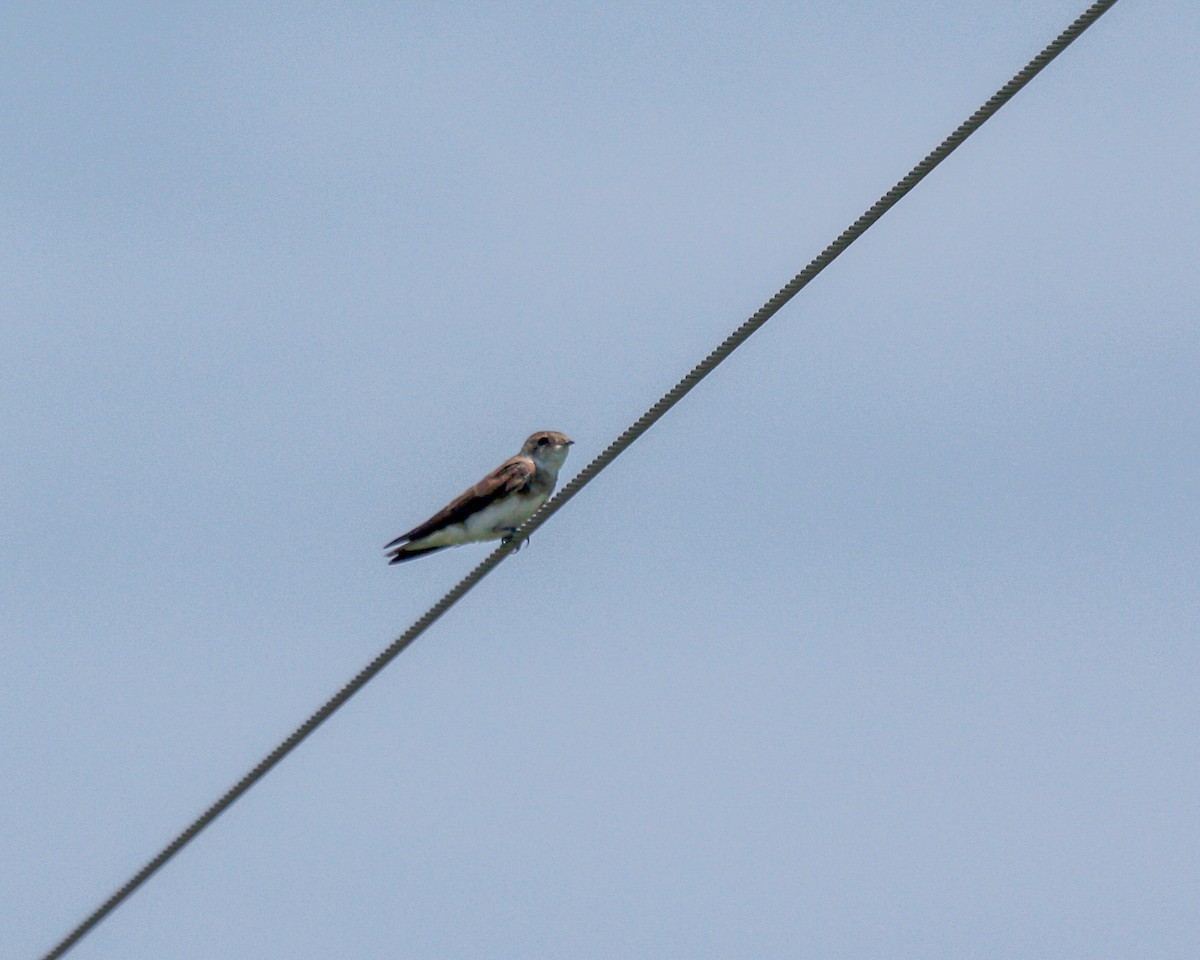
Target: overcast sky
x: 884, y: 643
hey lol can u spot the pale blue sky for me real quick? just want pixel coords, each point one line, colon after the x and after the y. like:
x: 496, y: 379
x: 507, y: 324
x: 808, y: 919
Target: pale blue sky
x: 883, y: 644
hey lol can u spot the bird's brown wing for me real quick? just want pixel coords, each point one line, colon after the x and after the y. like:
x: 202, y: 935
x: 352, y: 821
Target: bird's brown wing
x: 507, y: 478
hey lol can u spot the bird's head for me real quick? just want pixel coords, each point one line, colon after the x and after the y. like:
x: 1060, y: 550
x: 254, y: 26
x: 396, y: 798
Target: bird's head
x: 547, y: 448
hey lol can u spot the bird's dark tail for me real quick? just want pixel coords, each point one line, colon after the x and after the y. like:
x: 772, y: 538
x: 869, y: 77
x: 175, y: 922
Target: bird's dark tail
x: 400, y: 554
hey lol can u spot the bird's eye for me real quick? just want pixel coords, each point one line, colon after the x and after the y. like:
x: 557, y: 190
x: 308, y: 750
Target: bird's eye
x: 542, y: 441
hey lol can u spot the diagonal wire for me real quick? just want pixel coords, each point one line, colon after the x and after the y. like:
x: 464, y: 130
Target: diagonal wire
x: 588, y: 473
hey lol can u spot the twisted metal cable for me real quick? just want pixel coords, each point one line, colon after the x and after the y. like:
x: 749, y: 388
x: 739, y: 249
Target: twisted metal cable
x: 588, y: 473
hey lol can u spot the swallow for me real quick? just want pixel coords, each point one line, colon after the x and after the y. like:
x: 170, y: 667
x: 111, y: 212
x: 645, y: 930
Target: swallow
x: 495, y: 506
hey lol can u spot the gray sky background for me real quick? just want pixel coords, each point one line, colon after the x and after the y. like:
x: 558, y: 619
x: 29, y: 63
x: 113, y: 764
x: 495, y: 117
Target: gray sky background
x: 884, y: 643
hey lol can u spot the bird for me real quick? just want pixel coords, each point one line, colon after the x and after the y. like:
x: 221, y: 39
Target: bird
x: 494, y: 507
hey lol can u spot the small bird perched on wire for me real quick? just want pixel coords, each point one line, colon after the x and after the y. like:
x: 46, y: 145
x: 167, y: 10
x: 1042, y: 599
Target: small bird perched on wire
x: 496, y: 505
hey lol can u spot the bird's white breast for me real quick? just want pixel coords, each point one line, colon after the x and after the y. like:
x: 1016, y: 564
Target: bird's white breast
x: 498, y: 518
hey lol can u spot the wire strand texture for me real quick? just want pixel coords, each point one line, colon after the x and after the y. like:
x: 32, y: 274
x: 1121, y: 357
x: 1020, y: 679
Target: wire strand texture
x: 588, y: 473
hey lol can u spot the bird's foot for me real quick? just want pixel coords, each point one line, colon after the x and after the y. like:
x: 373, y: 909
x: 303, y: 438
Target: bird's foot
x: 508, y: 538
